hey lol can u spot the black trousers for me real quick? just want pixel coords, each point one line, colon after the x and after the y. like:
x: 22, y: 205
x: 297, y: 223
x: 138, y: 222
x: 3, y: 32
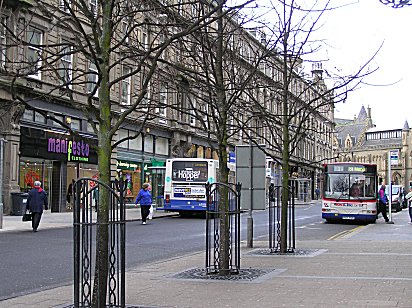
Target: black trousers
x: 35, y: 220
x: 145, y: 210
x: 382, y: 209
x: 410, y: 211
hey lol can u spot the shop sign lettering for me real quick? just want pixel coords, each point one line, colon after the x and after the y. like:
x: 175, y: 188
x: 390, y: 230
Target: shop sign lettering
x: 75, y: 150
x: 127, y: 165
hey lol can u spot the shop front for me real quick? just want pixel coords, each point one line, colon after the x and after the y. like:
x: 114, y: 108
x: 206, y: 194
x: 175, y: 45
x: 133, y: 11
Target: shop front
x: 55, y: 159
x: 132, y: 173
x: 137, y: 172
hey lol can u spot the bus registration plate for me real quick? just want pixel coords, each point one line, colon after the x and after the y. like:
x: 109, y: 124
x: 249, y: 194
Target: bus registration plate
x: 350, y: 205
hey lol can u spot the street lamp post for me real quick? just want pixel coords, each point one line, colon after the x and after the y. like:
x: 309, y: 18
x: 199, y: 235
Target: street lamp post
x: 250, y: 217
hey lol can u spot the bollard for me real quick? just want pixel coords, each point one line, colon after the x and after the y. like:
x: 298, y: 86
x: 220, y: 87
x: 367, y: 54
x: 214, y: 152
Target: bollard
x: 250, y: 230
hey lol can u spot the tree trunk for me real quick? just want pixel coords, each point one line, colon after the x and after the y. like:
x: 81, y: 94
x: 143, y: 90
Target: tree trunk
x: 285, y: 150
x: 104, y: 154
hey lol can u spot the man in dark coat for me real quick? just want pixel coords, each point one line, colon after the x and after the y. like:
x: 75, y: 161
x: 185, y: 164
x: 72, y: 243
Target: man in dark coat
x: 35, y: 201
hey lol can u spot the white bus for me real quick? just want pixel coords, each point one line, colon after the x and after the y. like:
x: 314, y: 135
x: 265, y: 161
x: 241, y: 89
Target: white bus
x: 349, y: 192
x: 185, y: 180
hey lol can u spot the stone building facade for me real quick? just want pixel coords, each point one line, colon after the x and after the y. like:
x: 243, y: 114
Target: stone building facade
x: 36, y: 140
x: 358, y: 140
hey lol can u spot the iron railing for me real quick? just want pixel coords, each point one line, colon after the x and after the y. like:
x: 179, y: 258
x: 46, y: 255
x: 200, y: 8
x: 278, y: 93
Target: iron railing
x: 222, y: 220
x: 86, y: 198
x: 275, y: 221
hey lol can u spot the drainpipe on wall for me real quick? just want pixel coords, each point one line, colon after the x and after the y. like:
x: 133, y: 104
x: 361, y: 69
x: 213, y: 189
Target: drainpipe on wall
x: 2, y: 141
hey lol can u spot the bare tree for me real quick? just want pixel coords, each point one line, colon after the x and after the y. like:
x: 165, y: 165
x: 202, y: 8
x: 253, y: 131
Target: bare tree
x: 296, y: 112
x: 216, y: 73
x: 396, y: 3
x: 86, y: 60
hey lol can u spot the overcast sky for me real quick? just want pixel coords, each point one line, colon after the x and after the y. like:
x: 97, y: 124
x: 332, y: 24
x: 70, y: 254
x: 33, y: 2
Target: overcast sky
x: 354, y: 34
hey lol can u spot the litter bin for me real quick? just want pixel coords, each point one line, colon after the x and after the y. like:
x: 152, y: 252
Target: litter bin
x: 18, y: 201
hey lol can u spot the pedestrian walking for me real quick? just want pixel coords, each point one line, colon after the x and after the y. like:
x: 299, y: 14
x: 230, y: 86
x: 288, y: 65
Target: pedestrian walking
x: 408, y: 198
x: 69, y: 195
x: 96, y: 197
x: 144, y: 197
x: 383, y: 201
x: 317, y: 192
x: 36, y: 199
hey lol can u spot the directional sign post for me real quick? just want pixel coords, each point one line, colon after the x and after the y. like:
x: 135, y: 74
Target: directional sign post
x: 394, y: 157
x: 393, y: 160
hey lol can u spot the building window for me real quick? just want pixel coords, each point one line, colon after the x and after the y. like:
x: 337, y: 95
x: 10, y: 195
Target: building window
x: 205, y: 116
x: 75, y: 124
x: 146, y: 35
x: 66, y: 65
x: 126, y: 86
x: 65, y: 5
x: 193, y: 112
x: 162, y: 146
x: 135, y: 143
x: 59, y: 118
x: 39, y: 118
x: 28, y: 114
x: 145, y: 40
x: 125, y: 30
x: 161, y: 110
x: 93, y: 7
x: 34, y: 39
x: 3, y: 42
x: 148, y: 143
x: 123, y: 133
x: 92, y: 79
x: 146, y: 98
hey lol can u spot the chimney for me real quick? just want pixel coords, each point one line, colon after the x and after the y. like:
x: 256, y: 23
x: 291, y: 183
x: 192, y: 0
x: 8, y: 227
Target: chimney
x: 317, y: 70
x: 369, y: 113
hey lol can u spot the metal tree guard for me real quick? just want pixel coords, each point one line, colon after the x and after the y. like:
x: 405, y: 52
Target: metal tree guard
x: 215, y: 212
x: 86, y: 196
x: 275, y: 210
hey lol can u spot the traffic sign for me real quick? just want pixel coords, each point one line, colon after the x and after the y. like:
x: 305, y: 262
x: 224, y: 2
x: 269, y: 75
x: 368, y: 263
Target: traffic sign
x: 394, y: 157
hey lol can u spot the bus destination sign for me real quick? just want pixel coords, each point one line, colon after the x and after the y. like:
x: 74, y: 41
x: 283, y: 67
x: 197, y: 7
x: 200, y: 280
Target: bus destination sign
x: 350, y: 168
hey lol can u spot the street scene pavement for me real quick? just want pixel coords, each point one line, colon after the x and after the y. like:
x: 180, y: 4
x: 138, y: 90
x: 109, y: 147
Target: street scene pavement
x: 366, y: 266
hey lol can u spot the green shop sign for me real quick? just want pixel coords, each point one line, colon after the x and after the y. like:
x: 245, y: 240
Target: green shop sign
x: 128, y: 165
x: 157, y: 163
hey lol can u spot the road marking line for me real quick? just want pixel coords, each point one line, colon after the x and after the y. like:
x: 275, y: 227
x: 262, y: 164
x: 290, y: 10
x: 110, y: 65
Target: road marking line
x: 344, y: 233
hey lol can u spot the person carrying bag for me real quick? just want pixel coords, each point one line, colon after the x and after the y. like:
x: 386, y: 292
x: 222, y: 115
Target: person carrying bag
x: 36, y: 199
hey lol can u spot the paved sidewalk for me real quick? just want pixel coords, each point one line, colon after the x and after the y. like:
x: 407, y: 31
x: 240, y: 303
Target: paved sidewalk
x: 369, y: 266
x: 65, y: 219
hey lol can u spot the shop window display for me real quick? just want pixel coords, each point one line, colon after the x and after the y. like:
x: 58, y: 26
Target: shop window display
x: 132, y: 173
x: 31, y: 170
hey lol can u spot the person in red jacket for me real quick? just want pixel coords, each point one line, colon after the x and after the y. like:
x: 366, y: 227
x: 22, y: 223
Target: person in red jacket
x: 36, y: 199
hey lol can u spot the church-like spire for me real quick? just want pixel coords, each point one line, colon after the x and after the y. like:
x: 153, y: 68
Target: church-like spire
x: 406, y: 125
x: 362, y: 115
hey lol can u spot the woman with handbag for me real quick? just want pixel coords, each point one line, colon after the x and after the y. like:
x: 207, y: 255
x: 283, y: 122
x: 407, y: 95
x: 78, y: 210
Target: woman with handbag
x: 36, y: 199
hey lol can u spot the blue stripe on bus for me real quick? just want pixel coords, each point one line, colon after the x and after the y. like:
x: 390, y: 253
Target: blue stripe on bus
x: 185, y: 205
x: 336, y: 216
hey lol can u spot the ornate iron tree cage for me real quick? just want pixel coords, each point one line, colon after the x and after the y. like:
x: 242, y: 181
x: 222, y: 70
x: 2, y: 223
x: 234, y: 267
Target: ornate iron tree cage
x: 275, y: 212
x: 85, y: 211
x: 217, y: 211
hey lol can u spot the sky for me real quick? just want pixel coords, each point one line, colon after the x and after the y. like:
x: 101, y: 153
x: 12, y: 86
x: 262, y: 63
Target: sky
x: 354, y: 33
